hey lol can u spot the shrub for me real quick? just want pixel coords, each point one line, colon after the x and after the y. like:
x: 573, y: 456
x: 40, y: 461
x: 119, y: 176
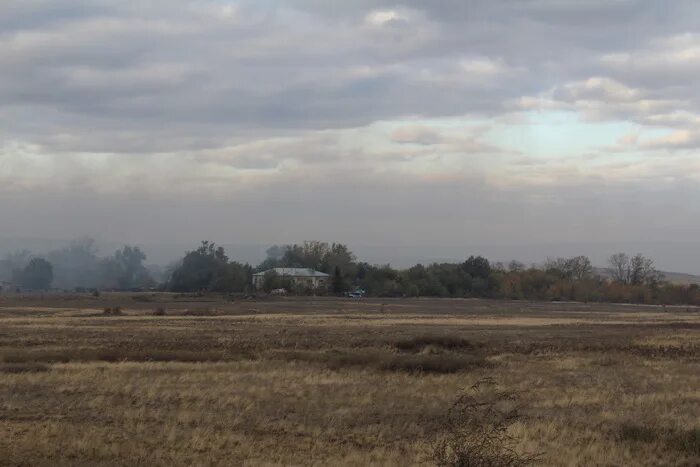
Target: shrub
x: 477, y: 430
x: 160, y: 311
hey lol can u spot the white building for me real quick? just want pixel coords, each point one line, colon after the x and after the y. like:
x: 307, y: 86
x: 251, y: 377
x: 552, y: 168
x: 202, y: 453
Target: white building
x: 304, y: 277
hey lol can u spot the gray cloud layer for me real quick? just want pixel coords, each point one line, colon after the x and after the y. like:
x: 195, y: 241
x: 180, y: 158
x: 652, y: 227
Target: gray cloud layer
x: 361, y: 120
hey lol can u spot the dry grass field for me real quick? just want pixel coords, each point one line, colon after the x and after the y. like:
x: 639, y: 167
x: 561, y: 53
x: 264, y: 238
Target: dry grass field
x: 186, y: 380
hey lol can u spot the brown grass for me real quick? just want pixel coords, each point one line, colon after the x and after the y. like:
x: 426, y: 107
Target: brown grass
x: 383, y: 360
x: 420, y: 343
x: 335, y: 382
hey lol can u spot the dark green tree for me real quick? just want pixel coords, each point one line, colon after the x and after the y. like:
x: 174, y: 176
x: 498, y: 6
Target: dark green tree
x: 271, y: 281
x: 477, y: 266
x: 338, y: 282
x: 207, y: 269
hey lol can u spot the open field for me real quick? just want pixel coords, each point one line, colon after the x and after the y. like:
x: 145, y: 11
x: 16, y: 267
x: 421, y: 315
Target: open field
x: 207, y: 381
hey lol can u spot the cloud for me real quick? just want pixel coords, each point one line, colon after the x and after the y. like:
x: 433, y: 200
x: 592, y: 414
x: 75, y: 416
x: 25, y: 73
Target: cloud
x: 246, y: 101
x: 598, y: 88
x: 683, y: 139
x: 677, y: 53
x: 416, y: 134
x: 386, y: 18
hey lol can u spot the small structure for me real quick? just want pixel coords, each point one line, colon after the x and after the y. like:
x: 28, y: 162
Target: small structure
x: 299, y: 277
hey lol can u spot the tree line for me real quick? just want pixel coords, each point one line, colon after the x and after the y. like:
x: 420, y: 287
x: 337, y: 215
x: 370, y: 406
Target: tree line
x: 78, y: 266
x: 207, y: 268
x: 628, y: 279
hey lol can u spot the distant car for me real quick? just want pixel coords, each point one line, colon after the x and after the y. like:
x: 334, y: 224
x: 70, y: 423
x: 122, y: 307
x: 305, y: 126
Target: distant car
x: 278, y: 292
x: 357, y: 293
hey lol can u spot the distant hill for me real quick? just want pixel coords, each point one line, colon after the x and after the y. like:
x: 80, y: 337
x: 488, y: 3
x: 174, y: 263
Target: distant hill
x: 679, y: 278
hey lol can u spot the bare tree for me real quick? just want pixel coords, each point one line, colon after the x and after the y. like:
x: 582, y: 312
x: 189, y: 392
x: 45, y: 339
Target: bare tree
x: 576, y: 268
x: 620, y: 267
x: 635, y: 270
x: 642, y: 271
x: 516, y: 266
x: 580, y: 267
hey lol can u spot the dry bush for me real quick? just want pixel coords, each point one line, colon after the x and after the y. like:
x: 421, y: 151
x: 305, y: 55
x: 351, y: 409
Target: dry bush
x: 477, y: 430
x: 160, y: 311
x: 418, y: 343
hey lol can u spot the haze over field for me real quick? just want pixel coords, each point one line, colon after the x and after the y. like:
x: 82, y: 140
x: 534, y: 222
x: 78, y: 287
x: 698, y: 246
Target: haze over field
x: 513, y: 129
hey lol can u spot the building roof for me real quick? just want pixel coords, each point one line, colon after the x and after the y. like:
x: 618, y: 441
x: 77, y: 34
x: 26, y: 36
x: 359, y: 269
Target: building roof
x: 294, y: 272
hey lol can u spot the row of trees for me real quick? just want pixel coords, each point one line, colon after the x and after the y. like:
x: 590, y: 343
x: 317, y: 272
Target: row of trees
x: 208, y: 269
x: 627, y: 279
x: 78, y: 266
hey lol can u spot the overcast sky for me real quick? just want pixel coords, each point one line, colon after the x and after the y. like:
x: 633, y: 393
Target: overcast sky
x: 445, y: 122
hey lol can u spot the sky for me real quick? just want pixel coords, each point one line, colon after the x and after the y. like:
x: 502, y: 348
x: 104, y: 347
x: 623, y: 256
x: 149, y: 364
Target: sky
x: 439, y: 128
